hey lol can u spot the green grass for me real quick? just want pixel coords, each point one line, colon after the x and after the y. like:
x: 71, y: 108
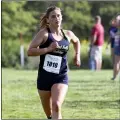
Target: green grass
x: 91, y: 95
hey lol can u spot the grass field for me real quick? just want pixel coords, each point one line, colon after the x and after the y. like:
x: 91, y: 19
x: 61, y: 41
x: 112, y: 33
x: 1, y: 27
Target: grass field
x: 91, y: 95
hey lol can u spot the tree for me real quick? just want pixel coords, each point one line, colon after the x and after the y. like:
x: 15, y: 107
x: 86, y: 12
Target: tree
x: 76, y: 16
x: 16, y: 20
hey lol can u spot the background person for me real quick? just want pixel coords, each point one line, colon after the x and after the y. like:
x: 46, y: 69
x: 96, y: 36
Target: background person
x: 52, y: 43
x: 97, y: 40
x: 112, y: 31
x: 116, y: 68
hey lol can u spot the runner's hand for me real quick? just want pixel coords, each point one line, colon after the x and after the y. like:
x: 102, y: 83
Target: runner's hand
x: 53, y: 46
x: 77, y: 60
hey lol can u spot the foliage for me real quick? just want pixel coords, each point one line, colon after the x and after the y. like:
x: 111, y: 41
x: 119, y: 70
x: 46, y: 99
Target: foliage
x: 11, y: 56
x: 16, y: 20
x: 23, y: 17
x: 76, y: 17
x: 11, y: 53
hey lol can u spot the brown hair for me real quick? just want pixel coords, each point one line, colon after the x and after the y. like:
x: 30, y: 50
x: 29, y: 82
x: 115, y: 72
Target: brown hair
x: 43, y: 18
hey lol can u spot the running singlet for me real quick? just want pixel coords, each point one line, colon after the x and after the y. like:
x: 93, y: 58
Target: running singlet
x: 112, y: 31
x: 54, y: 62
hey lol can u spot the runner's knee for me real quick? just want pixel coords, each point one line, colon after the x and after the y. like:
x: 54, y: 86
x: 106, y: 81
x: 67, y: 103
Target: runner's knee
x: 56, y: 106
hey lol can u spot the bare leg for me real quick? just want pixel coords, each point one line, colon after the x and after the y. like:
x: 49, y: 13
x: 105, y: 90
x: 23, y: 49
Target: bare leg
x: 98, y: 59
x: 116, y: 68
x: 58, y: 93
x: 112, y: 55
x: 45, y: 97
x: 98, y: 64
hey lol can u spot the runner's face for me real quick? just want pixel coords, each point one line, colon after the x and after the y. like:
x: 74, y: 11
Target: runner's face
x: 55, y: 18
x: 113, y: 23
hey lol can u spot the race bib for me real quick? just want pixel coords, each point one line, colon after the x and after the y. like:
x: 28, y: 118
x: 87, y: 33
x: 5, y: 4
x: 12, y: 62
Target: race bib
x: 52, y: 63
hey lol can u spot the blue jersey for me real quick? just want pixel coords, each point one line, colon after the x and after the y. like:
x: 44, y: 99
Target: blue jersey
x: 112, y: 32
x: 60, y: 52
x: 53, y: 65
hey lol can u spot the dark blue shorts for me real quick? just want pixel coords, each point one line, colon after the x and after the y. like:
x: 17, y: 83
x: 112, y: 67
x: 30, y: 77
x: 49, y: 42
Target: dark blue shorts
x: 117, y: 50
x: 46, y: 80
